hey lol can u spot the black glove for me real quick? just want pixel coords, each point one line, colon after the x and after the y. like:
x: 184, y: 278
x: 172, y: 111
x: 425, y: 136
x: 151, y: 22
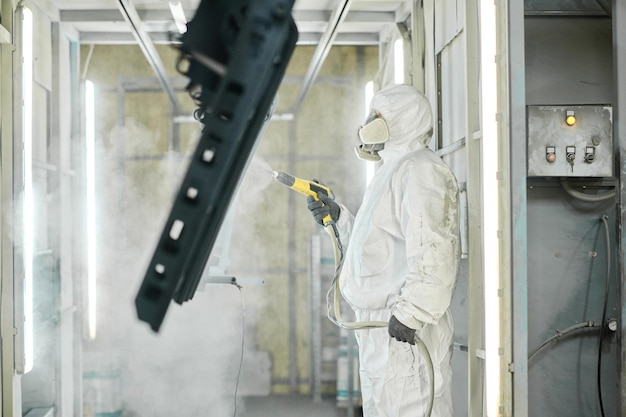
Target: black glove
x: 400, y: 332
x: 323, y: 207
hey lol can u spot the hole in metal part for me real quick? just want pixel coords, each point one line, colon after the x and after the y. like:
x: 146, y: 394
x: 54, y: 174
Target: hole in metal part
x: 177, y: 229
x: 192, y: 193
x: 208, y: 155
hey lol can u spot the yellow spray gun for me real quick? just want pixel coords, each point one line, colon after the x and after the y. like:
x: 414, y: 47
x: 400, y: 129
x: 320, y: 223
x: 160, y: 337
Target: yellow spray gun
x: 304, y: 187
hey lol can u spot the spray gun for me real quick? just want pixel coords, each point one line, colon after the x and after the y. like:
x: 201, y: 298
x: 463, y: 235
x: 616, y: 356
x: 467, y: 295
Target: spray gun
x: 308, y: 188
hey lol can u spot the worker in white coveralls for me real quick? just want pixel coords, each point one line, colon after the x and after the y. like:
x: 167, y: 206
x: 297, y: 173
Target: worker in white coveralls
x: 401, y: 258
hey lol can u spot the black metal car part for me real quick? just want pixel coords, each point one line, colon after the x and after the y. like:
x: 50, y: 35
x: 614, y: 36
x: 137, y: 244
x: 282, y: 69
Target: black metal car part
x: 237, y: 53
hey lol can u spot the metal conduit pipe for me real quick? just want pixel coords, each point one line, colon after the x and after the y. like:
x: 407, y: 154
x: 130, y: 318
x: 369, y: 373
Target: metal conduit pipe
x: 321, y: 52
x: 149, y: 50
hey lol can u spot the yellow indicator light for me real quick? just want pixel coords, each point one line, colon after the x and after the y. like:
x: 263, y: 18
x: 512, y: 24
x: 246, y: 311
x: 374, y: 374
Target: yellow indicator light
x: 570, y: 120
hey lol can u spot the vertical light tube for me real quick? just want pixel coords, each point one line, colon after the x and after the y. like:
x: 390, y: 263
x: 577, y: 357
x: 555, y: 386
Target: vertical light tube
x: 490, y: 203
x: 28, y: 208
x: 370, y: 167
x: 90, y: 164
x: 398, y: 61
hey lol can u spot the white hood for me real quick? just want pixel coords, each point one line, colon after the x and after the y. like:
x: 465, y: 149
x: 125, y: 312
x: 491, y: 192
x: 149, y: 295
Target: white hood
x: 409, y: 117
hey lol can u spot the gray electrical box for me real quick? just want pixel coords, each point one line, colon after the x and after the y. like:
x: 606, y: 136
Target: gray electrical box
x: 570, y: 141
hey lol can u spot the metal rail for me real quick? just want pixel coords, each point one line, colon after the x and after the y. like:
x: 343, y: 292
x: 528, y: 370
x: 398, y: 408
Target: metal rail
x: 322, y: 50
x: 147, y: 46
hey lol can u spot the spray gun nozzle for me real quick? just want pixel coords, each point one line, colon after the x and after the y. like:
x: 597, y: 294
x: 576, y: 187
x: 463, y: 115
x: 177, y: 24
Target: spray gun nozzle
x: 284, y: 178
x: 308, y: 188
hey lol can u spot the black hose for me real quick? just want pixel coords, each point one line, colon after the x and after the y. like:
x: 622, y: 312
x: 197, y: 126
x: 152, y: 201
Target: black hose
x: 562, y: 333
x: 594, y: 198
x: 589, y: 324
x: 604, y: 220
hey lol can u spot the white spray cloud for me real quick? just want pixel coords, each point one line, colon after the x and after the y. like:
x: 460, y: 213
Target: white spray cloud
x: 190, y: 366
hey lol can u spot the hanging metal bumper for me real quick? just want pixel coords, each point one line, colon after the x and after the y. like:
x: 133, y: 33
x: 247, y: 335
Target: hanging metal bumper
x: 234, y: 54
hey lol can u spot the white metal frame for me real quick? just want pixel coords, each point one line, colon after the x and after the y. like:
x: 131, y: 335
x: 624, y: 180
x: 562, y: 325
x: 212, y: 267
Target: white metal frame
x: 619, y: 133
x: 519, y: 250
x: 10, y: 382
x: 475, y: 294
x: 495, y: 397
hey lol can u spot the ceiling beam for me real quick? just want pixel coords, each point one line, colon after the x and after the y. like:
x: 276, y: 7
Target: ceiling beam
x: 108, y: 26
x: 343, y: 38
x: 164, y: 15
x: 304, y: 39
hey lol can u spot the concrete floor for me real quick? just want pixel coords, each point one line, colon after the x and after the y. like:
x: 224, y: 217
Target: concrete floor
x: 291, y: 406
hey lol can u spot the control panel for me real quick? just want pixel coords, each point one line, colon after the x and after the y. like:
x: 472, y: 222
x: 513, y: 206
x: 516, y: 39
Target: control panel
x: 570, y: 141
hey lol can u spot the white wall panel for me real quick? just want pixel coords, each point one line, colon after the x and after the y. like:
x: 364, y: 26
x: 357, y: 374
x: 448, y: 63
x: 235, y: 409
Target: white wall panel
x: 42, y: 48
x: 449, y: 18
x: 460, y: 15
x: 40, y: 123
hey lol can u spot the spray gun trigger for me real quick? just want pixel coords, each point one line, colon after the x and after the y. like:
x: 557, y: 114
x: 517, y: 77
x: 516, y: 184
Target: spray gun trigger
x: 326, y: 191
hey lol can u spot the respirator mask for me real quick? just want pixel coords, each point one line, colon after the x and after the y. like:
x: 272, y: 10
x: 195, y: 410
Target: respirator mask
x: 372, y: 136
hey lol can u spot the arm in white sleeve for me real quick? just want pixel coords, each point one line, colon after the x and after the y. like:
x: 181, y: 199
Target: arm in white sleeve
x: 426, y: 196
x: 344, y: 225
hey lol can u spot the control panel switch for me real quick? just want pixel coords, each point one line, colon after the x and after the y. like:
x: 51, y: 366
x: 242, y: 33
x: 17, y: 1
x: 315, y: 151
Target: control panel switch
x: 570, y: 155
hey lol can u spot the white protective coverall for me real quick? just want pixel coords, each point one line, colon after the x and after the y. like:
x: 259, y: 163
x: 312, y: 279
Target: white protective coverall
x: 402, y: 256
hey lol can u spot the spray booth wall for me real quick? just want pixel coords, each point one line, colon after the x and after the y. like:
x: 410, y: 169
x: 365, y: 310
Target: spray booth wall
x: 569, y: 62
x: 192, y: 363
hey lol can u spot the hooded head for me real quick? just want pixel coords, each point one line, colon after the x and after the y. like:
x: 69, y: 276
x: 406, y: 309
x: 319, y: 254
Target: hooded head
x: 408, y: 118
